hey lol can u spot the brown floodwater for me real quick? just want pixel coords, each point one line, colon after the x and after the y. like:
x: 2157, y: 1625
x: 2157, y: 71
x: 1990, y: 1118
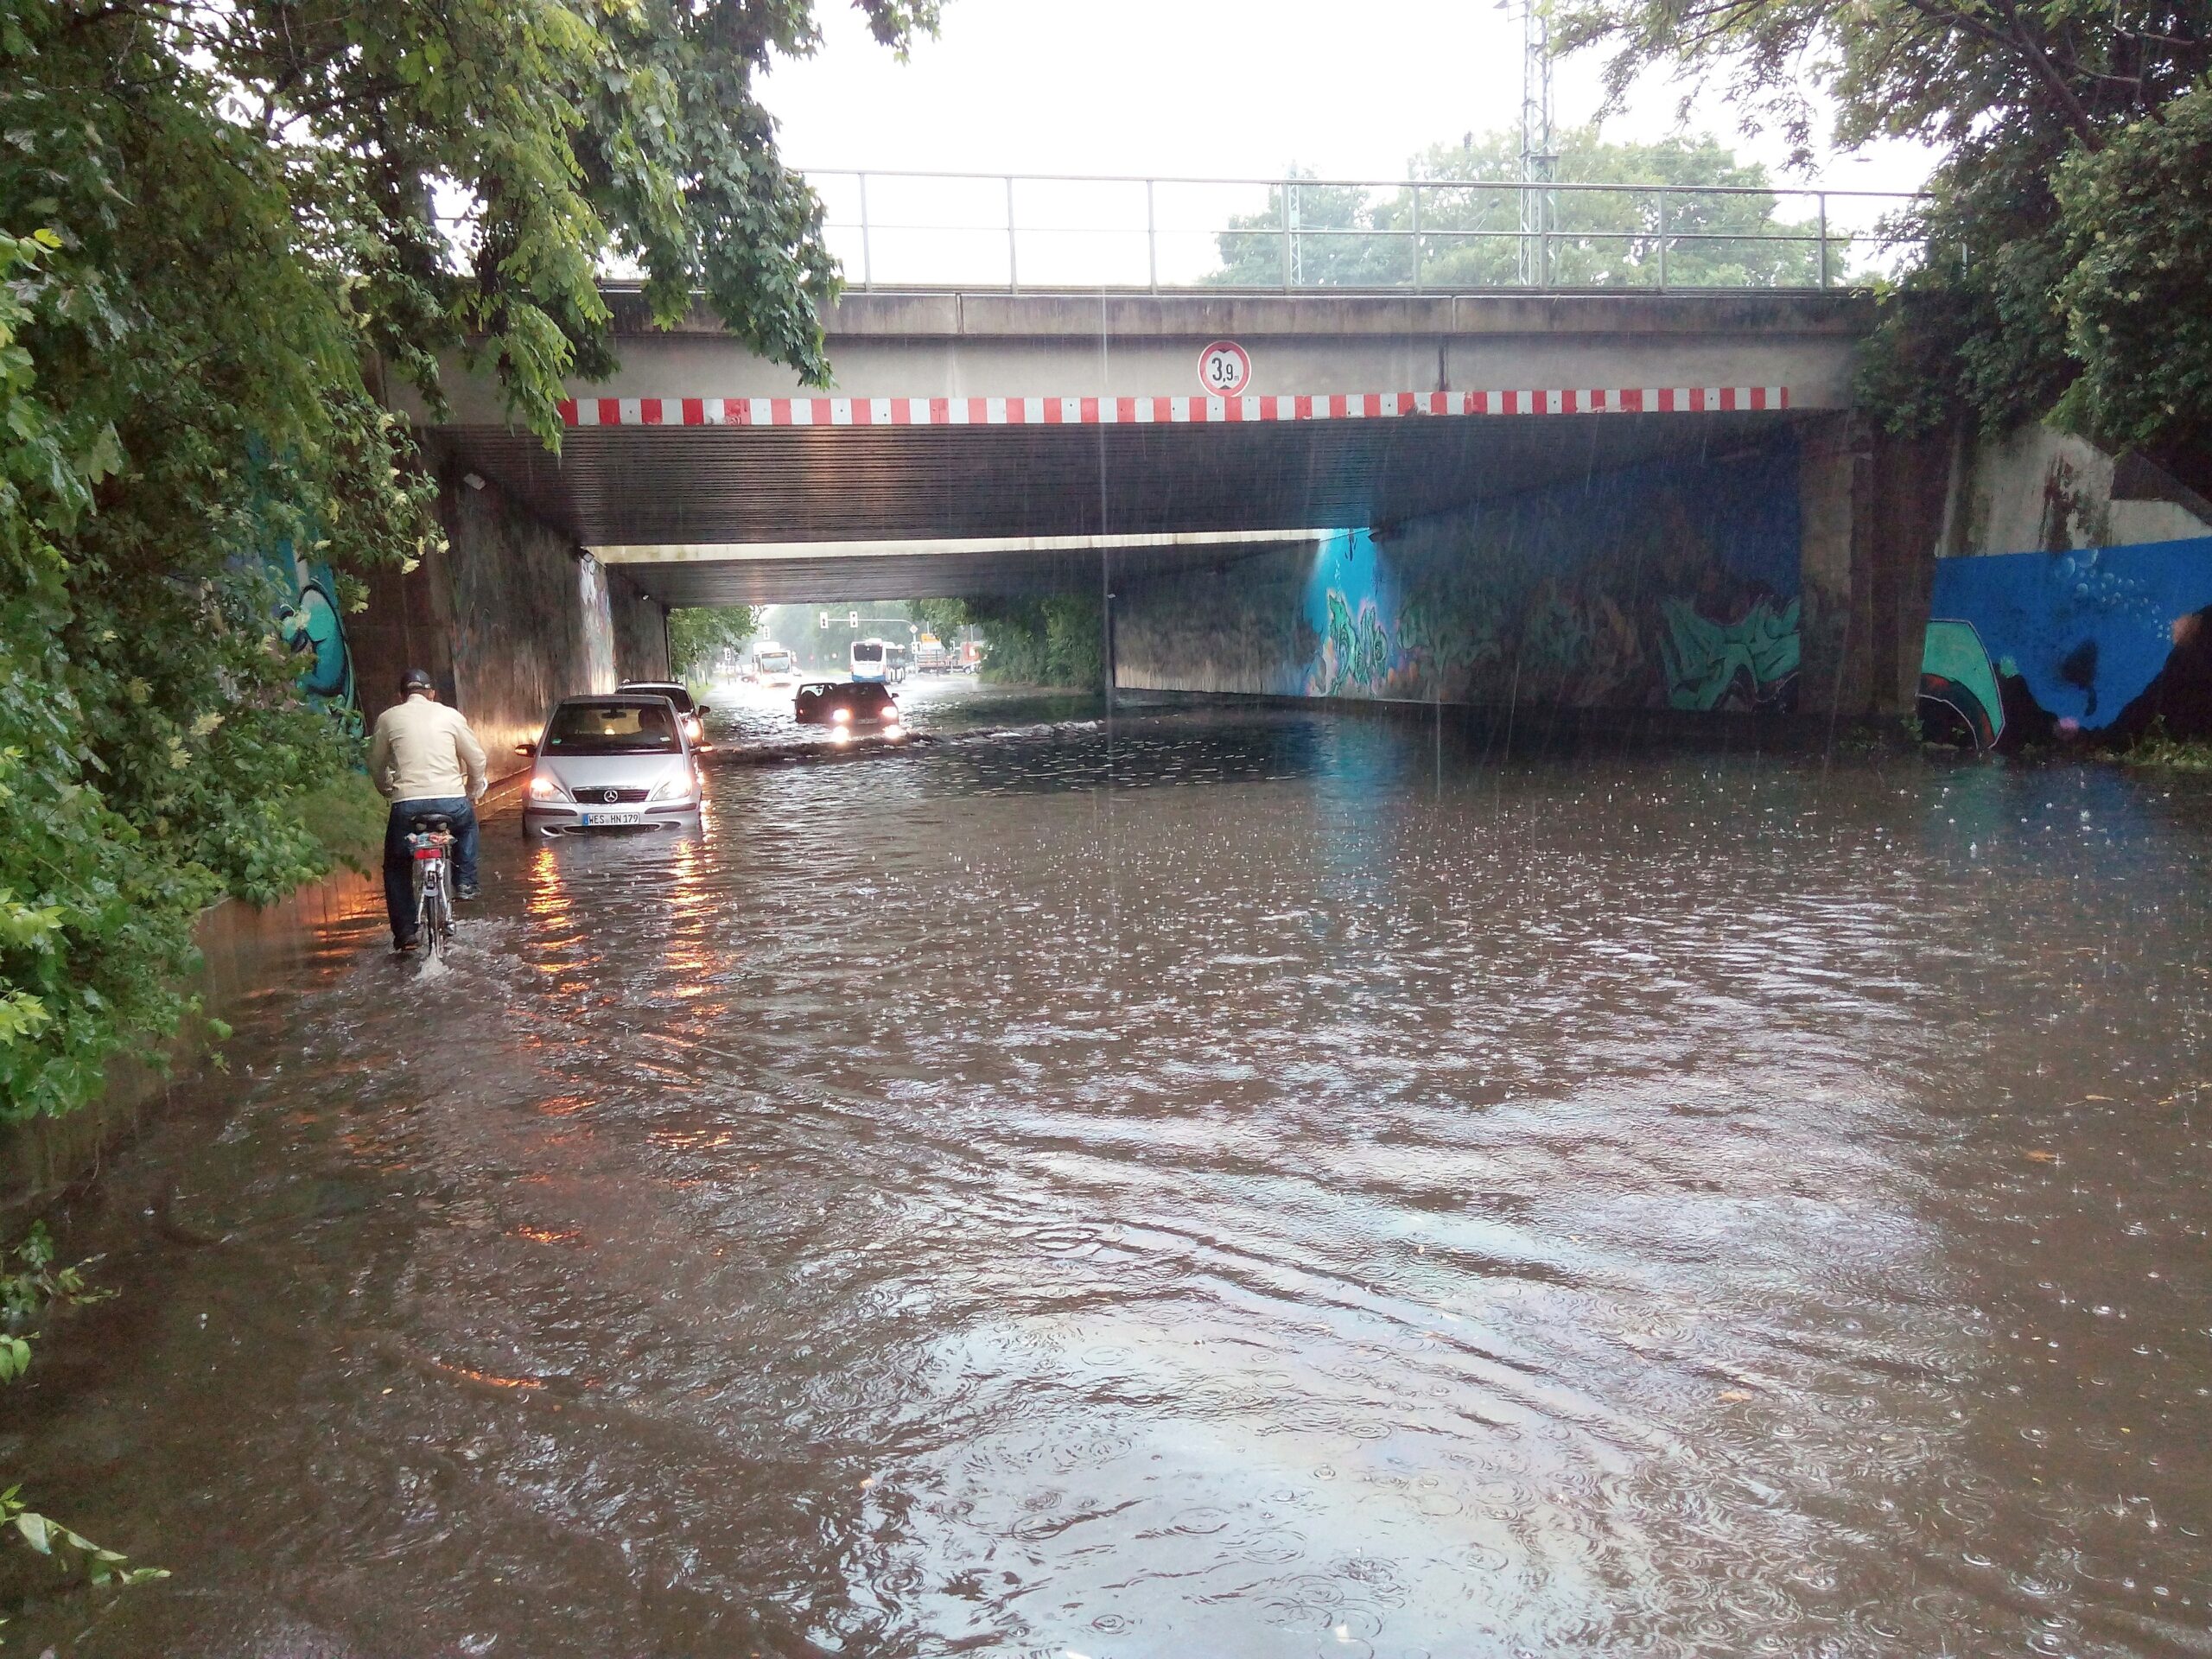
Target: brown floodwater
x: 1229, y: 1183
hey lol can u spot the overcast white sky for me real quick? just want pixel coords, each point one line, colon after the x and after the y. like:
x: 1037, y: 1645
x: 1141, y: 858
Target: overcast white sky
x: 1203, y: 88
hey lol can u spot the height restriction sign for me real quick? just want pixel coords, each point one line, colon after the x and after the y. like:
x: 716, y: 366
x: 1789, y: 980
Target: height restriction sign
x: 1226, y: 369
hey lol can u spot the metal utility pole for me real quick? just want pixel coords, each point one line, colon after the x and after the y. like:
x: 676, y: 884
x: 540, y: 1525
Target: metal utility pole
x: 1539, y: 161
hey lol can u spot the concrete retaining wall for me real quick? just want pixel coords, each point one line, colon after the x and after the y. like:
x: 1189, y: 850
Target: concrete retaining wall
x: 2045, y: 491
x: 1791, y: 576
x: 510, y: 617
x: 1668, y: 585
x: 640, y: 630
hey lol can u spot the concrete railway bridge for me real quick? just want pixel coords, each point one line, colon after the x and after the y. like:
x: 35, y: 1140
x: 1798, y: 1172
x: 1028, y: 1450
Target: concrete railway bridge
x: 1194, y: 452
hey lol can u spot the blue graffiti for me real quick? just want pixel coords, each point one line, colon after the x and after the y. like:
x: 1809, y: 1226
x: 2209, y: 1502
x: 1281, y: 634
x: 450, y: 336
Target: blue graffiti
x: 2086, y: 630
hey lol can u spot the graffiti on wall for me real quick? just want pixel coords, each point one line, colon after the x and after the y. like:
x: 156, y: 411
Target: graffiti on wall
x: 314, y: 630
x: 311, y: 621
x: 1347, y: 601
x: 311, y: 624
x: 1662, y: 586
x: 2023, y: 647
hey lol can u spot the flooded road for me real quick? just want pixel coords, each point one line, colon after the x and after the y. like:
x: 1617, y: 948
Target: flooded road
x: 1225, y: 1184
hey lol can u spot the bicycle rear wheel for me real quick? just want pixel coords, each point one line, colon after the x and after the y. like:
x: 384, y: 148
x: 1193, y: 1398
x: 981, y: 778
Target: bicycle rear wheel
x: 437, y: 923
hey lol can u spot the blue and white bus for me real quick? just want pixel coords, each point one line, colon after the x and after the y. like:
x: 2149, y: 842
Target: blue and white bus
x: 773, y: 664
x: 868, y: 660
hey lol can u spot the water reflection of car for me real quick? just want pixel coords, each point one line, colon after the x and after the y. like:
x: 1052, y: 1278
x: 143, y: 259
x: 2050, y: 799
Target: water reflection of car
x: 619, y: 762
x: 849, y: 708
x: 693, y: 715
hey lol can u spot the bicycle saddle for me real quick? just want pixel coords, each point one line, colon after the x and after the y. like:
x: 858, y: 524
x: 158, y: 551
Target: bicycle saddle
x: 430, y: 824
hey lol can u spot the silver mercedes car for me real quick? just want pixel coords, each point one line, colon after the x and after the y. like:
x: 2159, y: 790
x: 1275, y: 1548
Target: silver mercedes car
x: 616, y: 762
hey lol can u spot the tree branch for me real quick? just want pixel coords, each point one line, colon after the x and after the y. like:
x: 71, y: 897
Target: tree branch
x: 2076, y: 116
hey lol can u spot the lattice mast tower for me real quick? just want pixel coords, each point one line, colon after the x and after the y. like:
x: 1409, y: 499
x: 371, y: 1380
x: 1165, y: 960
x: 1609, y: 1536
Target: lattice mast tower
x: 1538, y: 160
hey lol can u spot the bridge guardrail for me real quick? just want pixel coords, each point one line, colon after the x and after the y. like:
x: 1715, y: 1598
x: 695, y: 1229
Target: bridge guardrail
x: 902, y: 229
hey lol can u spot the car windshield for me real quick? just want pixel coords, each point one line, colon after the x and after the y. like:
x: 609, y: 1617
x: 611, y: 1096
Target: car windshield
x: 612, y: 728
x: 675, y: 694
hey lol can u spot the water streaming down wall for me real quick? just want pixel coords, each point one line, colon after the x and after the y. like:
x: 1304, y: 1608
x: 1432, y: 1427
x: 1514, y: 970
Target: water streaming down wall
x: 510, y: 617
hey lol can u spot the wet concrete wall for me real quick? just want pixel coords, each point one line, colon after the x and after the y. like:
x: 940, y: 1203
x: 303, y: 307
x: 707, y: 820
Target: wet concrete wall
x: 2041, y: 490
x: 509, y: 618
x: 640, y: 629
x: 1671, y: 585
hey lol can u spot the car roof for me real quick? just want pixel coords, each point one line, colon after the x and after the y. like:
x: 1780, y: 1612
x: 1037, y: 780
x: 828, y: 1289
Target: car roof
x: 614, y: 696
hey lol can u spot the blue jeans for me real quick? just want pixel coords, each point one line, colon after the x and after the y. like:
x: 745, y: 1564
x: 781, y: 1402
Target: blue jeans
x: 399, y: 864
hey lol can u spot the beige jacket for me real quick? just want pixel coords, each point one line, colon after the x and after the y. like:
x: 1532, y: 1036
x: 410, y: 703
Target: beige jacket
x: 424, y: 751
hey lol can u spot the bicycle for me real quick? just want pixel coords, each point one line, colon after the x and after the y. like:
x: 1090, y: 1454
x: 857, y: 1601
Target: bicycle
x: 429, y: 843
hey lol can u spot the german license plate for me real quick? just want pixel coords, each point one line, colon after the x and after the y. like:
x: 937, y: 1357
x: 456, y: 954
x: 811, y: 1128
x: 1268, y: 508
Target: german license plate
x: 590, y: 819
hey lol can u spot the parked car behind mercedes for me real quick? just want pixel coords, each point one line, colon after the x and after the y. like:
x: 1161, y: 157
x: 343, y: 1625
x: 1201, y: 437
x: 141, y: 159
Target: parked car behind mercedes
x: 619, y: 762
x: 694, y: 715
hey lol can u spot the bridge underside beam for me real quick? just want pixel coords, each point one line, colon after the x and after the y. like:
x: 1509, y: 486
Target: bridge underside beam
x: 781, y: 573
x: 628, y: 486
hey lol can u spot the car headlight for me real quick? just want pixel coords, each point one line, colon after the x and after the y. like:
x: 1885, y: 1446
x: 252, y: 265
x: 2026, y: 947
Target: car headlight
x: 894, y: 731
x: 669, y: 788
x: 840, y: 733
x: 841, y: 716
x: 545, y: 788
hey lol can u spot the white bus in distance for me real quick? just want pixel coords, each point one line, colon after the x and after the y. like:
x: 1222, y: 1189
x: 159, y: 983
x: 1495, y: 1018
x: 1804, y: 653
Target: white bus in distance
x: 867, y: 660
x: 773, y: 665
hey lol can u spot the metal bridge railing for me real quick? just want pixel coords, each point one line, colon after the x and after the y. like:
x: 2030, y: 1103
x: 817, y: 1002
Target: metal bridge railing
x: 1042, y: 231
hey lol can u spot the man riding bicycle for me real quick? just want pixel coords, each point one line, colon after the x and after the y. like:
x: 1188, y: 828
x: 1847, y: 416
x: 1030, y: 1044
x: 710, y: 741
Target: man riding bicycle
x: 424, y: 760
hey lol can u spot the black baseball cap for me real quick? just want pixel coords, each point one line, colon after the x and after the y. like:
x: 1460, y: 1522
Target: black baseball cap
x: 415, y: 677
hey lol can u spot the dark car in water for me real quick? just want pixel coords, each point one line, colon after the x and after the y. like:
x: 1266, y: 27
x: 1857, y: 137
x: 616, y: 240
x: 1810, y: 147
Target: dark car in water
x: 848, y: 708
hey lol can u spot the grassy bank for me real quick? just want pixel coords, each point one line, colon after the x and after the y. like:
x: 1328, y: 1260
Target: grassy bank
x: 2155, y: 749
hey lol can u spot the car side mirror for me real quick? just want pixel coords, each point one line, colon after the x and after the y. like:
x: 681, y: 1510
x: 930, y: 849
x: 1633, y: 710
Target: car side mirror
x: 525, y: 748
x: 706, y: 708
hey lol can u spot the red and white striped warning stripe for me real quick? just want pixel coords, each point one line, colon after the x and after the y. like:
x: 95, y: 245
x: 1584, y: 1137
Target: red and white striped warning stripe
x: 1139, y: 412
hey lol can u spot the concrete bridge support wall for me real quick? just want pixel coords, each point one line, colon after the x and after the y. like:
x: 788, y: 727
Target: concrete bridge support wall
x: 1788, y: 574
x: 1873, y: 510
x: 510, y: 617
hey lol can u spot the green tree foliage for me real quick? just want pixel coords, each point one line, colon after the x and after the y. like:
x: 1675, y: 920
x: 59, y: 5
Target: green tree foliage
x: 943, y: 617
x: 1059, y: 640
x: 218, y: 264
x: 2136, y: 216
x: 2065, y: 227
x: 699, y: 635
x: 1470, y: 223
